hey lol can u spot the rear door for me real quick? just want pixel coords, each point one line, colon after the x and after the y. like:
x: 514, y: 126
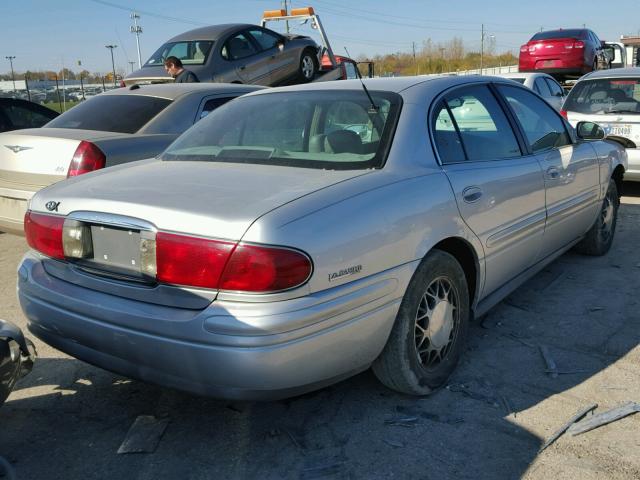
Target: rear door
x: 571, y: 173
x: 499, y: 191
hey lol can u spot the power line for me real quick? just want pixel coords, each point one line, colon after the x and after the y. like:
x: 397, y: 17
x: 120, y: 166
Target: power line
x: 151, y: 14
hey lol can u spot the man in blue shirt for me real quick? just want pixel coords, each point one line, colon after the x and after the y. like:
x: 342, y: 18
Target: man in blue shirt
x: 173, y: 66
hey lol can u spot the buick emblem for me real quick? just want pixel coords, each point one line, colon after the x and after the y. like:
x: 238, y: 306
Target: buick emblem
x: 52, y: 206
x: 17, y: 148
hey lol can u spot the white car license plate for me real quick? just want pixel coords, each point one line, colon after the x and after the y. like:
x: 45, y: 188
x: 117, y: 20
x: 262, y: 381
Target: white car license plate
x: 620, y: 130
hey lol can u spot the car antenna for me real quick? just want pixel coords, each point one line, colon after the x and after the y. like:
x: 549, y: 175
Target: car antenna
x: 373, y: 108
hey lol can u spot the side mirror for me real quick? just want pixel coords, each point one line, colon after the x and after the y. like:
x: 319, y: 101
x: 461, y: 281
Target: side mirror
x: 589, y: 131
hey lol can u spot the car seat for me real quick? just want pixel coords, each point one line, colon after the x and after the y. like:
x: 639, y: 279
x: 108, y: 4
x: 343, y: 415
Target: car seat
x: 343, y: 141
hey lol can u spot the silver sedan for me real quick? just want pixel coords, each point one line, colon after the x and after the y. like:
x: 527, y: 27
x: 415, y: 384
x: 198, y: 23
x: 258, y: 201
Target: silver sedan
x: 297, y: 236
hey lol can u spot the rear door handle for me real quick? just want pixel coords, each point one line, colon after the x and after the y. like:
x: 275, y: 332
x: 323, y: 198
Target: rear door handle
x: 553, y: 172
x: 471, y: 194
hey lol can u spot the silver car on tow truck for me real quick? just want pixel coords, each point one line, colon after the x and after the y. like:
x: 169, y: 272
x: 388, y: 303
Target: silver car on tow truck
x: 297, y: 236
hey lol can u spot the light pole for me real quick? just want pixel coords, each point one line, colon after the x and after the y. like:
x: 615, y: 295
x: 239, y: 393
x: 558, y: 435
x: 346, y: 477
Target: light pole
x: 113, y: 65
x: 13, y: 77
x: 132, y: 64
x: 137, y: 29
x: 482, y: 35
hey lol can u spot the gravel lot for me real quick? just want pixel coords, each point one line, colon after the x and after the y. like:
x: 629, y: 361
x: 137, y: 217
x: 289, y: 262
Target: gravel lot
x: 67, y: 419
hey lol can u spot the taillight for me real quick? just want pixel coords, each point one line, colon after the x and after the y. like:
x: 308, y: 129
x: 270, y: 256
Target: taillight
x: 199, y: 262
x: 564, y: 114
x: 44, y: 233
x: 524, y: 48
x: 191, y: 261
x: 86, y: 158
x: 255, y: 268
x: 578, y: 44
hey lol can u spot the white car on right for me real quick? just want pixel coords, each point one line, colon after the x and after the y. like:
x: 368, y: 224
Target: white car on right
x: 610, y: 98
x: 543, y: 84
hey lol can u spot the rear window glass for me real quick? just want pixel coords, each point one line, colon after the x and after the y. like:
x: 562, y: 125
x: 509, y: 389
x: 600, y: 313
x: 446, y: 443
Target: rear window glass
x: 518, y: 79
x: 571, y: 33
x: 190, y: 53
x: 311, y: 129
x: 112, y: 113
x: 606, y: 95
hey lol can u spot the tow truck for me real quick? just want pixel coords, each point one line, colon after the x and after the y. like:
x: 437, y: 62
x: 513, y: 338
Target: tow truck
x: 331, y: 66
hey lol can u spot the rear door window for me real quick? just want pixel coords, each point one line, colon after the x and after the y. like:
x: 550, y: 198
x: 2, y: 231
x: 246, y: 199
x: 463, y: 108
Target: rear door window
x: 112, y: 113
x: 542, y: 126
x: 484, y: 129
x: 542, y: 88
x: 213, y: 103
x: 24, y: 117
x: 556, y: 90
x: 237, y: 47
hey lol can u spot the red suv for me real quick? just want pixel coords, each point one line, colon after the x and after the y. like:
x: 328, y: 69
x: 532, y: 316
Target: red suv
x: 563, y: 53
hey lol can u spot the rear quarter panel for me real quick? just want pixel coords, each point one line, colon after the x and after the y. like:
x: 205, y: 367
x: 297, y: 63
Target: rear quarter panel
x: 134, y: 147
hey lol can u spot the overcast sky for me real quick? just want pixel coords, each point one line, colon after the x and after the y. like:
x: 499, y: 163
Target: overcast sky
x: 45, y: 34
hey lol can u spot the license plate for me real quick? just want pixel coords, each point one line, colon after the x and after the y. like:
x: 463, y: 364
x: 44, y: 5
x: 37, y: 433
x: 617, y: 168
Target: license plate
x: 619, y: 130
x: 549, y: 63
x: 116, y: 249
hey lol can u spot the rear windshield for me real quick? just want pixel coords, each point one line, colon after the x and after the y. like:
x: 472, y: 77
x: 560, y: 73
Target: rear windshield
x: 190, y: 53
x: 112, y: 113
x: 336, y: 130
x: 606, y: 95
x: 519, y: 79
x: 573, y: 33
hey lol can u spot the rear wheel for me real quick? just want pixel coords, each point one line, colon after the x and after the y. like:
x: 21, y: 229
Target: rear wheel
x: 308, y: 66
x: 600, y: 237
x: 430, y: 329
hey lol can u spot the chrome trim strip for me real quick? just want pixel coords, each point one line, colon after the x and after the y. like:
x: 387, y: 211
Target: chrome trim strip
x: 523, y: 227
x: 568, y: 207
x: 113, y: 220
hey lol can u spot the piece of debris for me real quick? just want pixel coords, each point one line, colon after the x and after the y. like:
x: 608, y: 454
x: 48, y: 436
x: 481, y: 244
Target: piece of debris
x: 323, y: 470
x: 596, y: 309
x: 552, y: 369
x: 144, y: 435
x: 402, y: 421
x: 393, y: 443
x: 566, y: 426
x: 604, y: 418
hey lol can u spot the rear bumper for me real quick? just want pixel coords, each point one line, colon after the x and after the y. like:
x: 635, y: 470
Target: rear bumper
x: 13, y: 206
x: 253, y: 351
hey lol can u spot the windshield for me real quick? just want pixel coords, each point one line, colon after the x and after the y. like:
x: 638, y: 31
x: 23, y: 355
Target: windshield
x: 111, y: 113
x: 190, y: 53
x: 607, y: 95
x: 573, y: 33
x: 311, y: 129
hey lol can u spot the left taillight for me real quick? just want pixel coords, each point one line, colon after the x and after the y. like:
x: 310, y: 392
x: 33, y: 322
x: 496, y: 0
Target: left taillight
x: 44, y: 233
x: 87, y: 158
x: 564, y: 114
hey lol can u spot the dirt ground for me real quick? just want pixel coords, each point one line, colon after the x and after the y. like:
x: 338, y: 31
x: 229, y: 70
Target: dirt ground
x: 67, y: 419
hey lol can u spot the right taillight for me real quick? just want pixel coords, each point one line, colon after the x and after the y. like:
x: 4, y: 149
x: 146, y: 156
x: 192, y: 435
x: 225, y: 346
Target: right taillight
x: 87, y: 158
x: 564, y: 114
x: 44, y: 233
x: 223, y: 265
x: 524, y: 48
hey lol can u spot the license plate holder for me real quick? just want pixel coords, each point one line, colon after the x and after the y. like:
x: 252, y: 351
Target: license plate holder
x: 115, y: 250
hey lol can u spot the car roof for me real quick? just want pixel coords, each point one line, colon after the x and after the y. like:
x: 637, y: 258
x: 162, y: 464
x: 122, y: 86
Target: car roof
x: 522, y: 75
x: 211, y: 32
x: 613, y: 73
x: 171, y: 91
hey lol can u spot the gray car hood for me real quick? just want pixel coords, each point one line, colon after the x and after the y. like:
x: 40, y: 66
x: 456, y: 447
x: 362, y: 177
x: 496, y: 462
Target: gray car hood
x: 203, y: 198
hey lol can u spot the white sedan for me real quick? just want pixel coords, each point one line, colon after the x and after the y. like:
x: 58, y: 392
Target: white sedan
x: 544, y: 85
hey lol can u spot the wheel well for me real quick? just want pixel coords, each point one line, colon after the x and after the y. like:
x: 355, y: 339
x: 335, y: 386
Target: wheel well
x: 313, y: 53
x: 464, y: 254
x: 617, y: 175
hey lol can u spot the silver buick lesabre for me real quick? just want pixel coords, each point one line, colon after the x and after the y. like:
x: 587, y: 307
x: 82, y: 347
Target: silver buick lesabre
x: 297, y: 236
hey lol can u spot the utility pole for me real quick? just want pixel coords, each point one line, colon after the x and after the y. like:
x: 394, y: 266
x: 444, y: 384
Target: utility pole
x: 132, y: 64
x: 286, y: 12
x: 13, y: 77
x: 113, y: 65
x: 137, y: 29
x: 481, y: 48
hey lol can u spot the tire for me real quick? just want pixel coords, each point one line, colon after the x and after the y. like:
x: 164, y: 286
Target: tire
x: 416, y: 360
x: 595, y: 64
x: 308, y: 67
x: 599, y: 238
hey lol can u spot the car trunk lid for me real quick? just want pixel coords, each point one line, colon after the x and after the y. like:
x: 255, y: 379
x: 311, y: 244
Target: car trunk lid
x: 553, y: 47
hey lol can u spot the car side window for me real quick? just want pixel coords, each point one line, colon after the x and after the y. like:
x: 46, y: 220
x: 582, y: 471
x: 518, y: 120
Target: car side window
x: 237, y: 47
x: 213, y: 103
x: 484, y: 129
x: 556, y: 90
x: 446, y: 138
x: 22, y: 117
x: 265, y: 39
x: 542, y: 126
x: 542, y: 87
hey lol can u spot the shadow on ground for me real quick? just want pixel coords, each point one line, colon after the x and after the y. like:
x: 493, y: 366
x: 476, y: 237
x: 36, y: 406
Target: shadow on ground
x: 67, y: 419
